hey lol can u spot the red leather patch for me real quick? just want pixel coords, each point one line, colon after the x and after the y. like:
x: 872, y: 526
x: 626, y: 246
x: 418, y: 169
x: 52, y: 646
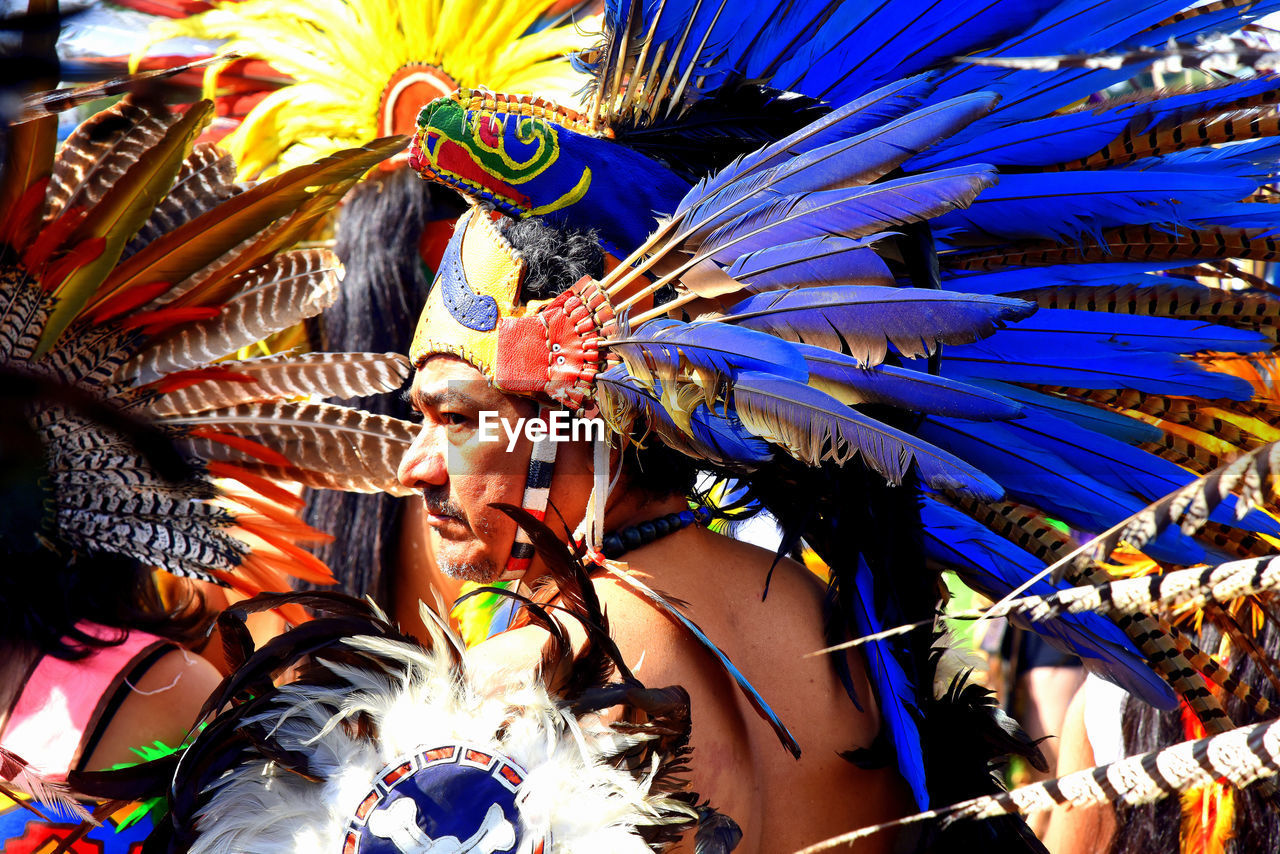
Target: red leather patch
x: 520, y: 364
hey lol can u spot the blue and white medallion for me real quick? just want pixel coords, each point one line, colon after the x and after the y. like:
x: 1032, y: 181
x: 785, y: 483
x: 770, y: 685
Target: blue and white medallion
x: 450, y: 799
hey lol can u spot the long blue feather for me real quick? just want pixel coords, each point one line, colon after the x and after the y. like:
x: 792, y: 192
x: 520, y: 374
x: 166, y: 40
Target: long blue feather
x: 1124, y: 467
x: 856, y: 117
x: 1136, y: 331
x: 1070, y: 205
x: 845, y: 379
x: 828, y: 260
x: 1093, y: 418
x: 852, y: 212
x: 895, y: 691
x: 844, y: 163
x: 1036, y: 137
x: 994, y: 567
x: 1036, y: 476
x: 867, y: 319
x: 712, y: 346
x: 813, y: 425
x: 1048, y: 359
x: 1227, y: 20
x: 1021, y: 279
x: 929, y: 34
x: 1252, y: 158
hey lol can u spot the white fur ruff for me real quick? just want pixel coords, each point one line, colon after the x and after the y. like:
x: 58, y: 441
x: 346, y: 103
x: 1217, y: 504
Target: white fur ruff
x: 571, y: 794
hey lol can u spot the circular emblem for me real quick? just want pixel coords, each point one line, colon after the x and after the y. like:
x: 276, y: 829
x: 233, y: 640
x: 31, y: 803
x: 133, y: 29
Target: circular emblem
x: 408, y: 89
x: 452, y: 799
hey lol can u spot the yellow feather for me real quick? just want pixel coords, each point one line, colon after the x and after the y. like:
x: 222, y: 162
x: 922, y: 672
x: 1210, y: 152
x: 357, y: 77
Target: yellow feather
x: 342, y: 53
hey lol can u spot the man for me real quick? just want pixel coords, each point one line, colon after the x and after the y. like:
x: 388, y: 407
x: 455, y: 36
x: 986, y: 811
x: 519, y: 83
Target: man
x: 463, y: 471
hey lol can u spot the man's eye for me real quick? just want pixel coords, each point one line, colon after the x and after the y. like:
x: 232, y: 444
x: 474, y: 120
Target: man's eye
x: 454, y: 419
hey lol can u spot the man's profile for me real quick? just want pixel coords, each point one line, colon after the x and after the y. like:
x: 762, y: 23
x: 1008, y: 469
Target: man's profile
x: 781, y: 803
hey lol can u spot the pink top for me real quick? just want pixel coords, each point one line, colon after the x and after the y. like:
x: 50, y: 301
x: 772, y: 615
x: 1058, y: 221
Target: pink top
x: 62, y: 701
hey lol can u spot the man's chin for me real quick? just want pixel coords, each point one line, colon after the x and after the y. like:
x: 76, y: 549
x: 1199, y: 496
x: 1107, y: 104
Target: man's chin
x: 478, y: 569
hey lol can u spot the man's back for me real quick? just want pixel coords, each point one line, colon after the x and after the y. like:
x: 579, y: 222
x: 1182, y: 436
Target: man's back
x: 738, y: 763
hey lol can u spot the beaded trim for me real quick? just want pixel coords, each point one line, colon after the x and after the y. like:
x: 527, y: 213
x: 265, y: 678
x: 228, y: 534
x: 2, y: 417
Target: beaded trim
x: 617, y: 544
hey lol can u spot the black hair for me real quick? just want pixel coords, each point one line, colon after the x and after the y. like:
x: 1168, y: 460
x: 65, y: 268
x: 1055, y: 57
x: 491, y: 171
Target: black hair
x: 555, y: 259
x: 49, y: 593
x: 1157, y: 826
x: 383, y: 291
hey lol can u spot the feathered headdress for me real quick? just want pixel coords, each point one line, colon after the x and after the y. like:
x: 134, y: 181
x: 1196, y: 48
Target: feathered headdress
x: 960, y: 278
x: 347, y: 71
x: 130, y: 262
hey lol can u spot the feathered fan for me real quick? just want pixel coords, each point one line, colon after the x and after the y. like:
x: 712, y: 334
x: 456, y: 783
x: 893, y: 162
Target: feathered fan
x: 129, y: 262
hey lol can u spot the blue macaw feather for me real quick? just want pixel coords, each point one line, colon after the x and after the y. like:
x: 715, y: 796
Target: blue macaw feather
x: 867, y: 319
x: 828, y: 260
x: 1036, y: 476
x: 1225, y: 20
x: 813, y: 425
x: 1036, y: 137
x: 726, y: 434
x: 1022, y: 279
x: 1069, y: 205
x: 843, y: 163
x: 1093, y: 418
x: 854, y: 118
x: 1043, y: 142
x: 1140, y: 332
x: 1124, y: 467
x: 852, y: 212
x: 896, y: 693
x: 1255, y: 215
x: 1251, y: 158
x: 931, y: 34
x: 845, y: 379
x: 1047, y: 359
x: 994, y: 567
x: 709, y: 346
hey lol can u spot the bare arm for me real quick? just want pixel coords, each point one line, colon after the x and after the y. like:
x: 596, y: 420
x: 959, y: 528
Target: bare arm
x: 1084, y: 830
x: 162, y: 706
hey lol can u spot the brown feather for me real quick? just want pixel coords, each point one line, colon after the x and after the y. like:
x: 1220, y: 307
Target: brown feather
x: 118, y: 215
x: 206, y: 238
x: 290, y: 288
x: 29, y: 154
x: 216, y: 278
x: 330, y: 446
x: 1212, y: 305
x: 340, y: 375
x: 206, y: 180
x: 100, y: 151
x: 1128, y: 243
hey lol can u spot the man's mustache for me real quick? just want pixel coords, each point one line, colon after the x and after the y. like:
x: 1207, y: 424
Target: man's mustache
x: 438, y: 503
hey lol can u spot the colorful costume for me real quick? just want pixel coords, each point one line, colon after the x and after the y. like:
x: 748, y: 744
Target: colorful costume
x: 53, y: 725
x: 918, y: 307
x: 316, y: 77
x: 129, y: 261
x: 953, y: 279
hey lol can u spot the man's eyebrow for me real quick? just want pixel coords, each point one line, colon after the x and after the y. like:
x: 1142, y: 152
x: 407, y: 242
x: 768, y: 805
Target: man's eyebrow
x: 437, y: 399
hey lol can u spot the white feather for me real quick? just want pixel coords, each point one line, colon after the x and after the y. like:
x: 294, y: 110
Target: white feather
x: 570, y: 793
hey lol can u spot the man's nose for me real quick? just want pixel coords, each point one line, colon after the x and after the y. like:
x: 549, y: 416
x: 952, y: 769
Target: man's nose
x: 424, y: 463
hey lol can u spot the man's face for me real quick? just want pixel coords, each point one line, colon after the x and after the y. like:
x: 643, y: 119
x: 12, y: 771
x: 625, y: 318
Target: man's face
x: 458, y: 474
